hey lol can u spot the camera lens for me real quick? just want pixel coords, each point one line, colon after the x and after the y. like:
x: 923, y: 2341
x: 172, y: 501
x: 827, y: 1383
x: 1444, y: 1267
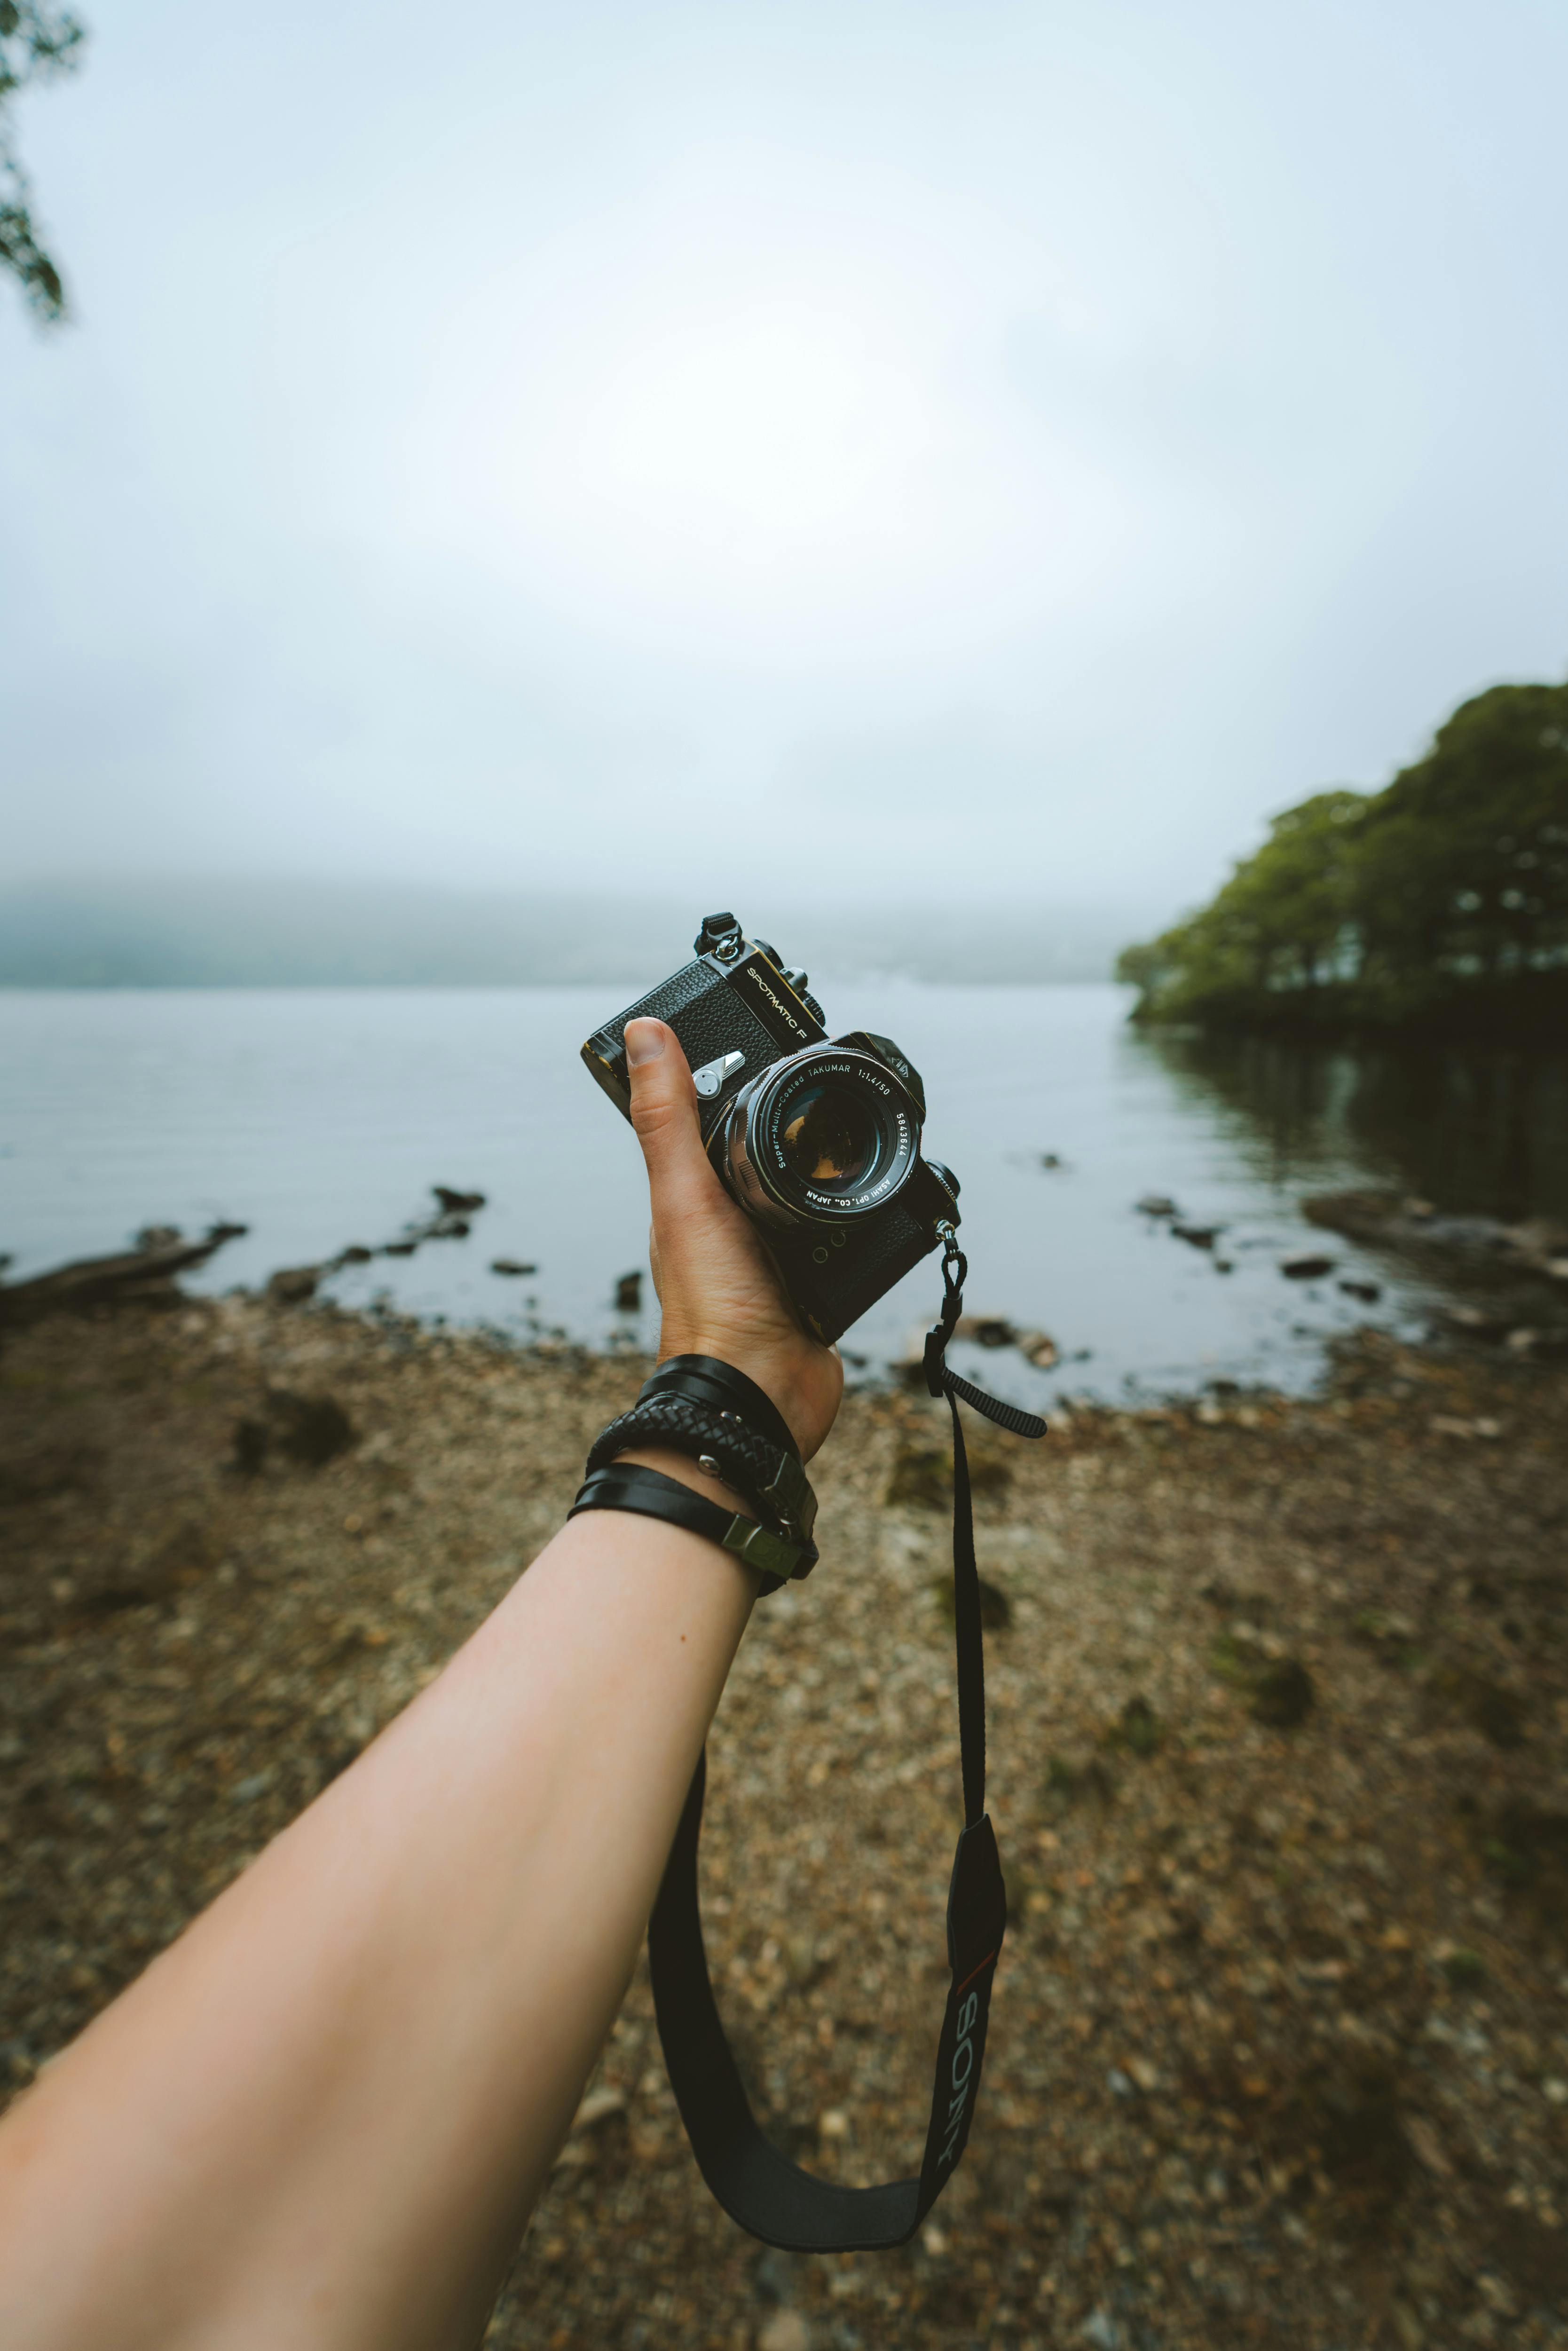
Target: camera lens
x: 825, y: 1137
x: 829, y: 1138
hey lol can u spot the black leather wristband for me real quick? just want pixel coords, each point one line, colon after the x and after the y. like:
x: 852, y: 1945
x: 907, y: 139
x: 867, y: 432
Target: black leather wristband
x: 766, y: 1473
x: 705, y: 1380
x: 631, y: 1486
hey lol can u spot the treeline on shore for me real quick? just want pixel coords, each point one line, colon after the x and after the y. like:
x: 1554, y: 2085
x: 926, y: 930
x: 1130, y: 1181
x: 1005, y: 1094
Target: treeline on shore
x: 1439, y: 902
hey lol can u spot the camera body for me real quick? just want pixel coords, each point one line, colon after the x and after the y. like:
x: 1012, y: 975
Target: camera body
x: 818, y: 1139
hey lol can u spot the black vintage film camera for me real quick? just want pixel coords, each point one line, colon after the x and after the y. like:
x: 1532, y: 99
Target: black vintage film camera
x: 818, y: 1139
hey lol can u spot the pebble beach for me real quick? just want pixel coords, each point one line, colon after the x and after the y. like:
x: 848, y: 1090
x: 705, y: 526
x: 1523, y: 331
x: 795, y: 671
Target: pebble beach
x: 1279, y: 1766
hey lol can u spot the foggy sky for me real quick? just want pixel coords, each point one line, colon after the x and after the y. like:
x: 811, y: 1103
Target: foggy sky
x: 1009, y: 449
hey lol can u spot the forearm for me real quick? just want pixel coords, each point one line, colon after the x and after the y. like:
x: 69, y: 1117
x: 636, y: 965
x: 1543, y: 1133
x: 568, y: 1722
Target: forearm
x: 322, y: 2117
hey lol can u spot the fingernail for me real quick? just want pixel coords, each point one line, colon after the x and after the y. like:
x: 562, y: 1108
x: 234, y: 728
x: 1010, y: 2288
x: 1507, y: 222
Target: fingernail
x: 644, y: 1043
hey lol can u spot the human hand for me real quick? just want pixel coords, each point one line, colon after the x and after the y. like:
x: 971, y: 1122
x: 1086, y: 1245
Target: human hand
x: 717, y: 1285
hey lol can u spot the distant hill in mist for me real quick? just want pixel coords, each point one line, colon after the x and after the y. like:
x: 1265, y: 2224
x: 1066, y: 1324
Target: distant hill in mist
x: 228, y: 933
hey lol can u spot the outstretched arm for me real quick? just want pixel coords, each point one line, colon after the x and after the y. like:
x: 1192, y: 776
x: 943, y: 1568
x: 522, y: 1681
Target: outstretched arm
x: 322, y: 2117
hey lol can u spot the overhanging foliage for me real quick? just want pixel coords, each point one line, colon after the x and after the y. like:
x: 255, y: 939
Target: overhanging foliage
x: 1442, y: 899
x: 36, y: 40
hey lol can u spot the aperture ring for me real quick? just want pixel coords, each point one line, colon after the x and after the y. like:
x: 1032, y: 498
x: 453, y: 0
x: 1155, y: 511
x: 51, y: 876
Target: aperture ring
x: 772, y: 1480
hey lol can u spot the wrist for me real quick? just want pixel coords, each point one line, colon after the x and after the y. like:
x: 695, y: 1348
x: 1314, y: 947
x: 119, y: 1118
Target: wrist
x: 782, y: 1390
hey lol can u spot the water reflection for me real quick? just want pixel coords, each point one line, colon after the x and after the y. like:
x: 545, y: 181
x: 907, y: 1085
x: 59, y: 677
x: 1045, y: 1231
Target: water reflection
x: 1475, y: 1130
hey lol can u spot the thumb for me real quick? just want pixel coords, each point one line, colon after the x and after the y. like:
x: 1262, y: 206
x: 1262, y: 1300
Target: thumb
x: 664, y: 1115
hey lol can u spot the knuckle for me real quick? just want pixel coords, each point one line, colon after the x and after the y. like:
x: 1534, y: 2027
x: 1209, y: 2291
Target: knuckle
x: 653, y: 1120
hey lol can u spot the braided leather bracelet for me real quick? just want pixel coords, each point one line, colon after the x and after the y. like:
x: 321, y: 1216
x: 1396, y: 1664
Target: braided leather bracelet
x: 771, y: 1479
x: 730, y: 1428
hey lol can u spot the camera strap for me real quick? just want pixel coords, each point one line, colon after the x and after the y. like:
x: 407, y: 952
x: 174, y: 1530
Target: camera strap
x: 756, y: 2185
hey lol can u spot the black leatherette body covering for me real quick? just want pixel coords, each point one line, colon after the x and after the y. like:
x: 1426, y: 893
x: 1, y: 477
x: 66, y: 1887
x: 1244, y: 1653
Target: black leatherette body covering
x: 702, y: 1005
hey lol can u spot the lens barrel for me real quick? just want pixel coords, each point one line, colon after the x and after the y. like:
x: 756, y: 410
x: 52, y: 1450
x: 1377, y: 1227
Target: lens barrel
x: 825, y: 1137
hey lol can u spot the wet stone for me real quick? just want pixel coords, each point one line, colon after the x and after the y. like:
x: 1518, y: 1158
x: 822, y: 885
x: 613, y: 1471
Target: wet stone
x: 291, y: 1285
x: 1282, y: 1694
x: 310, y: 1429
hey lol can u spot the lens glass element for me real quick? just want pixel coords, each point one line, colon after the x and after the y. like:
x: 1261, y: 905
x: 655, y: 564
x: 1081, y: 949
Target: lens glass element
x: 825, y: 1136
x: 829, y: 1138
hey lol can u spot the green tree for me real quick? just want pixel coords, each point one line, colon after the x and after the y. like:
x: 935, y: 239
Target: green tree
x: 1465, y: 875
x: 1283, y: 923
x: 1446, y: 892
x: 36, y: 40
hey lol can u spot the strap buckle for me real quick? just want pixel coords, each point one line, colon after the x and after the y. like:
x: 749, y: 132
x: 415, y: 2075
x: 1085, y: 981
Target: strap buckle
x: 769, y: 1553
x: 789, y: 1495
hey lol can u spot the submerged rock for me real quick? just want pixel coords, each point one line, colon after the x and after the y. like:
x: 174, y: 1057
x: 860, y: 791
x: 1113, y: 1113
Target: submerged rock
x: 1039, y: 1348
x: 292, y: 1284
x: 985, y: 1329
x: 1036, y: 1347
x: 448, y: 1223
x: 1388, y: 1220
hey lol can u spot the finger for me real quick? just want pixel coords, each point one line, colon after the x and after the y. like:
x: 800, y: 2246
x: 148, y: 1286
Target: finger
x: 664, y: 1115
x: 653, y: 1264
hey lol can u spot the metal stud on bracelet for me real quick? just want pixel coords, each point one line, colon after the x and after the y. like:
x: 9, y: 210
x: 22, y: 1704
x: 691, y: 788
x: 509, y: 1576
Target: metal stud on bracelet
x: 723, y: 1441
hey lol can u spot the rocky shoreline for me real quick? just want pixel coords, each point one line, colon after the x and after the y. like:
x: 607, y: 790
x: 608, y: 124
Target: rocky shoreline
x: 1279, y: 1769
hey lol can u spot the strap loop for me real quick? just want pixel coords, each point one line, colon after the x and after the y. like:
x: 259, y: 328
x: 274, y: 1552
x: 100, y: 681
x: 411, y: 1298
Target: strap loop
x: 758, y: 2187
x: 939, y: 1380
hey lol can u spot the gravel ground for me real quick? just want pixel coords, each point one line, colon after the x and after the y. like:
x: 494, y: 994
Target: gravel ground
x: 1279, y: 1770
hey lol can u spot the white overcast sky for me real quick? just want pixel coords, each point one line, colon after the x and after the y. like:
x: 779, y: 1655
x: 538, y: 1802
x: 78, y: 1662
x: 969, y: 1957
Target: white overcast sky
x: 1006, y: 449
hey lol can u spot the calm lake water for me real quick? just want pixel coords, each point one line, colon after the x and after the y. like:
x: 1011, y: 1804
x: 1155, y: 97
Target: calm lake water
x: 320, y: 1118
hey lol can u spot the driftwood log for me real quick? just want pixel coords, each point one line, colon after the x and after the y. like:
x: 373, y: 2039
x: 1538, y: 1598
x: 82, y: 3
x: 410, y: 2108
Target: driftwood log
x: 144, y: 1275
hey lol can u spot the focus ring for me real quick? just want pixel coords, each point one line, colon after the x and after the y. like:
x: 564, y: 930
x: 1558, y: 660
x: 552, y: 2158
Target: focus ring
x: 771, y: 1479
